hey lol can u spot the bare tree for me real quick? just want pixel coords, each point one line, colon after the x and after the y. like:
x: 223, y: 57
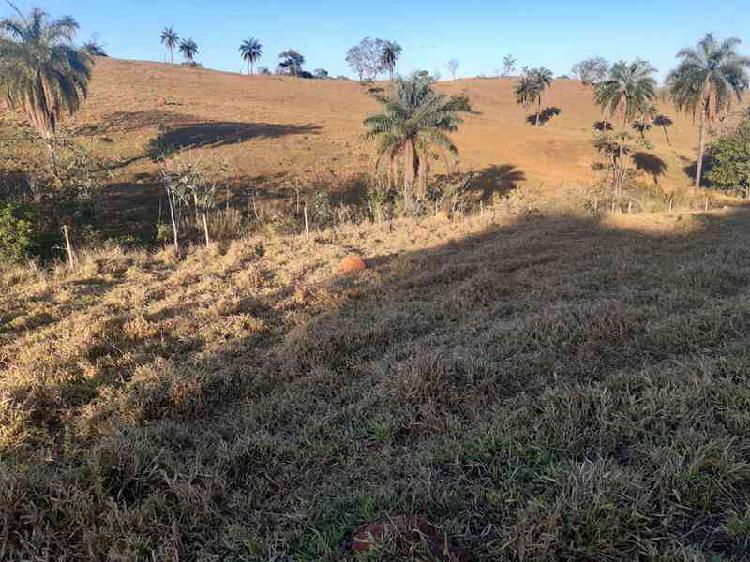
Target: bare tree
x: 366, y: 58
x: 509, y: 65
x: 452, y: 66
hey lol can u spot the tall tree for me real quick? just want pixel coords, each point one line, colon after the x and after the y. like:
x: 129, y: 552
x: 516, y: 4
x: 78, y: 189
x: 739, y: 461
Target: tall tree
x: 628, y: 90
x: 509, y: 65
x: 291, y: 62
x: 366, y: 58
x: 704, y: 83
x: 391, y: 52
x: 41, y: 72
x: 189, y: 49
x: 531, y: 87
x: 251, y: 51
x: 414, y: 119
x: 170, y: 40
x: 591, y: 71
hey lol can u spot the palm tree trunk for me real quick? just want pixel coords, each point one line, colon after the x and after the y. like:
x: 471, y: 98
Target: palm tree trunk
x: 701, y: 148
x: 171, y: 54
x: 410, y: 163
x: 538, y: 110
x: 666, y: 135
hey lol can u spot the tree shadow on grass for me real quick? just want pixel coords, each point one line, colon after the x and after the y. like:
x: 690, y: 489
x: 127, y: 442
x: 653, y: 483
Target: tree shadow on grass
x: 216, y: 134
x: 500, y: 179
x: 651, y: 164
x: 545, y: 116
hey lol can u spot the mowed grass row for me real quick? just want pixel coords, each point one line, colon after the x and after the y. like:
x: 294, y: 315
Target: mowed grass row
x: 555, y: 388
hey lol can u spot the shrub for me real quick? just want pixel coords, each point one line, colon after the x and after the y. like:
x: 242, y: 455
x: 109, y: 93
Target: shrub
x: 729, y: 160
x: 16, y: 232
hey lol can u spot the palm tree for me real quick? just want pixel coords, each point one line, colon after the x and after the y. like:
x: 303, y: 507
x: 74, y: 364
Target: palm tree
x: 390, y: 55
x: 170, y: 40
x: 189, y: 49
x: 415, y: 119
x: 41, y: 73
x: 705, y: 81
x: 251, y: 51
x: 663, y: 121
x: 531, y: 87
x: 628, y: 90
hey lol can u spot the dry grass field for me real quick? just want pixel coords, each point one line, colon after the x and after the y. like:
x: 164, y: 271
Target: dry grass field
x: 537, y: 388
x: 270, y: 132
x: 526, y: 384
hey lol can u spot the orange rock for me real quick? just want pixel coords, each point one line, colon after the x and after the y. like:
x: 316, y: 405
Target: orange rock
x: 352, y: 264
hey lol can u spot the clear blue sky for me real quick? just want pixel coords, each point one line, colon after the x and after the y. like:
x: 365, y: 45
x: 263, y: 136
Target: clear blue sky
x: 555, y: 33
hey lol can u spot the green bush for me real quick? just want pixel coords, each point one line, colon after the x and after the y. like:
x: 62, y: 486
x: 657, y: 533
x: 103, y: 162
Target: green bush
x: 730, y: 160
x: 16, y: 232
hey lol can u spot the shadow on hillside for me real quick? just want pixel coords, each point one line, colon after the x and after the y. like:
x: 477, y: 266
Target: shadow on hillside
x: 498, y: 179
x: 650, y: 164
x: 131, y: 121
x: 214, y: 134
x: 545, y: 116
x: 691, y: 167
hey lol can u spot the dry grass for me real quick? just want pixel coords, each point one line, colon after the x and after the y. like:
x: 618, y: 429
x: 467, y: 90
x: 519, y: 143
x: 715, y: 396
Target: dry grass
x: 544, y: 388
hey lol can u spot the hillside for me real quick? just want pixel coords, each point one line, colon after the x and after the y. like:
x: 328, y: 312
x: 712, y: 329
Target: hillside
x: 539, y: 388
x: 270, y: 130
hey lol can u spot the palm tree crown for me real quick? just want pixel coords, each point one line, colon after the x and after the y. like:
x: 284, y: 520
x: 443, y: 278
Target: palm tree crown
x: 41, y: 72
x: 170, y: 40
x: 628, y: 90
x: 531, y: 87
x: 189, y: 49
x: 390, y: 55
x: 251, y: 51
x: 414, y: 119
x: 706, y: 80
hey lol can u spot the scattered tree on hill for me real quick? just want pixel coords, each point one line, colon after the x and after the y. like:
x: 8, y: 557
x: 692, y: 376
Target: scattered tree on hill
x: 251, y: 51
x: 189, y: 49
x: 41, y: 72
x: 663, y: 121
x: 730, y: 160
x: 509, y: 65
x: 415, y: 119
x: 452, y: 66
x: 704, y: 83
x: 170, y: 40
x: 628, y: 91
x: 531, y: 87
x: 291, y: 62
x: 590, y: 71
x: 94, y: 48
x: 366, y: 58
x: 389, y: 56
x: 320, y: 73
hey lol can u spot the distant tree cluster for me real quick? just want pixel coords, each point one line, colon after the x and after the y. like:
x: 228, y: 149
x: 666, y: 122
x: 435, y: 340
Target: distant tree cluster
x: 370, y: 57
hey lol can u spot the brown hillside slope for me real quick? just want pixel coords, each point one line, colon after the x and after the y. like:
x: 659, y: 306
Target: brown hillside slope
x: 268, y: 127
